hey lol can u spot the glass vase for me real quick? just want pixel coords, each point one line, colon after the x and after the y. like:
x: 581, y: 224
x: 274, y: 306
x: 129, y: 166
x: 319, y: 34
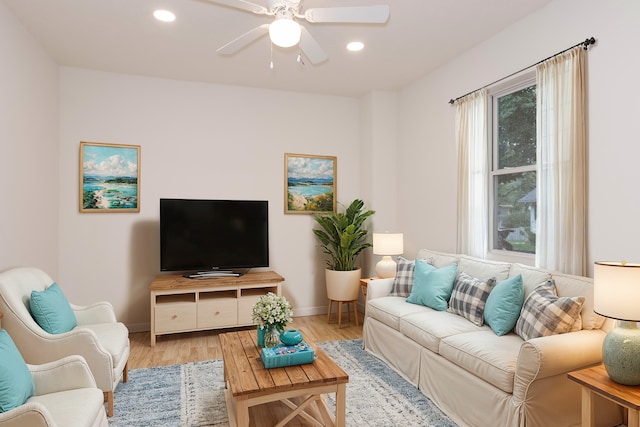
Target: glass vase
x: 271, y: 337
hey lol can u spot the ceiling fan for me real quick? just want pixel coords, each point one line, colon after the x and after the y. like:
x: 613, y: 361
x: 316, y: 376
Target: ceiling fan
x: 285, y: 31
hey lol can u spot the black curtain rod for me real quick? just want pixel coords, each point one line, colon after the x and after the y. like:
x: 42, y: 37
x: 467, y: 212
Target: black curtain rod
x: 585, y: 45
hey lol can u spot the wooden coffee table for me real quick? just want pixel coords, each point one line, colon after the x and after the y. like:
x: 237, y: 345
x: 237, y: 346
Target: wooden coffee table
x: 250, y: 384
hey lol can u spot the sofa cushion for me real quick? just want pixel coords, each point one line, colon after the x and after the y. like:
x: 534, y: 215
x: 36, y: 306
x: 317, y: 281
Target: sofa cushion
x: 389, y: 310
x: 531, y: 276
x: 16, y: 382
x: 438, y: 259
x: 403, y: 282
x: 427, y: 328
x: 488, y: 356
x: 503, y: 306
x: 52, y: 311
x: 544, y: 313
x: 568, y: 285
x: 432, y: 286
x: 73, y: 408
x: 469, y: 297
x: 482, y: 268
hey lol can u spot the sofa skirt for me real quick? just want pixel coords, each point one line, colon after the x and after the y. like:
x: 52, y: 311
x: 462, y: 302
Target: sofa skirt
x: 402, y: 354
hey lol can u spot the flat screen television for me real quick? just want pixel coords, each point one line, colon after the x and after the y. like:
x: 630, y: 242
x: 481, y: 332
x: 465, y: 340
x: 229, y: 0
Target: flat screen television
x: 213, y: 235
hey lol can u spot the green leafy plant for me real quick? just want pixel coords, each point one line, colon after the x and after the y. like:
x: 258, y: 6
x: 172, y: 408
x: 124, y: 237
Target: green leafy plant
x: 343, y: 236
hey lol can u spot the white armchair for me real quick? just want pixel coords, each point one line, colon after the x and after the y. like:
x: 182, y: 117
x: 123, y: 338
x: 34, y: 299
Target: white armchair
x: 98, y: 338
x: 65, y: 395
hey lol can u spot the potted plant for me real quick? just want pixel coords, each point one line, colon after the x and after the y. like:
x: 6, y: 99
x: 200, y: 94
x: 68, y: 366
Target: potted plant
x: 271, y: 313
x: 343, y: 237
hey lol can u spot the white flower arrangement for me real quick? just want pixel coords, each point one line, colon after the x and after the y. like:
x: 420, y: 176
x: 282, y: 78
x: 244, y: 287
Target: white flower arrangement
x: 272, y: 310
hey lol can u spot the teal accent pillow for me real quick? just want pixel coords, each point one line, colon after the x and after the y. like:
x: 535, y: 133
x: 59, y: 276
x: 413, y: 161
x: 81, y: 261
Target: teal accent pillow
x: 16, y: 382
x: 52, y: 311
x: 432, y: 286
x: 503, y: 306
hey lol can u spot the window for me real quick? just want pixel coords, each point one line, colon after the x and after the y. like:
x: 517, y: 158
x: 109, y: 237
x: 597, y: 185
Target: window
x: 512, y: 186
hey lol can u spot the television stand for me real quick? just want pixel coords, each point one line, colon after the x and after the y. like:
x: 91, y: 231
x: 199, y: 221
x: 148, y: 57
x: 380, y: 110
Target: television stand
x: 180, y: 304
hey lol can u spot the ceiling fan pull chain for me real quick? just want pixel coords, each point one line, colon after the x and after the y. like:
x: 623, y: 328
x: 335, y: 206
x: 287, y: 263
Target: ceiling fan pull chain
x: 271, y: 63
x: 299, y: 59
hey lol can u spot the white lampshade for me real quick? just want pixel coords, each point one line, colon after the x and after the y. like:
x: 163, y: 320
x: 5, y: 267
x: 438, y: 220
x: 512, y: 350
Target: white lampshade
x: 387, y: 244
x: 616, y: 290
x: 285, y: 32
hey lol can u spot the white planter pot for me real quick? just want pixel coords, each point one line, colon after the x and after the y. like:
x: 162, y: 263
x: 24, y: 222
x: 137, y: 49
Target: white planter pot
x: 343, y: 285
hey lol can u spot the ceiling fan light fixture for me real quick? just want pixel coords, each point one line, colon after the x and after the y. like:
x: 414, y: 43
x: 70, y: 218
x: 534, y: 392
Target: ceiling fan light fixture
x: 164, y: 15
x: 285, y: 32
x: 355, y: 46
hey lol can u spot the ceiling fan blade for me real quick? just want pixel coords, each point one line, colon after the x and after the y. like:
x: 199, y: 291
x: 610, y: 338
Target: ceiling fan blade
x: 310, y: 47
x: 247, y: 38
x: 241, y: 4
x: 354, y: 15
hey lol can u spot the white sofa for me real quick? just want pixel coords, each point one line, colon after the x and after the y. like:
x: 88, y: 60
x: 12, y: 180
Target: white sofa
x: 477, y: 377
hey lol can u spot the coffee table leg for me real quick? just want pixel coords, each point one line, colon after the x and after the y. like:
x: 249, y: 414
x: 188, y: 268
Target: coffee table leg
x: 341, y: 405
x: 242, y: 412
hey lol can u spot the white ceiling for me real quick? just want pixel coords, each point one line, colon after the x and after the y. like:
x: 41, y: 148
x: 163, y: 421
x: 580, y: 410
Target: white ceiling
x: 122, y: 36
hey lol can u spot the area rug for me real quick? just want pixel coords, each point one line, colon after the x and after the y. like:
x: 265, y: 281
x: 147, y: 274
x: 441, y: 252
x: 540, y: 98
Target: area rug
x: 193, y: 394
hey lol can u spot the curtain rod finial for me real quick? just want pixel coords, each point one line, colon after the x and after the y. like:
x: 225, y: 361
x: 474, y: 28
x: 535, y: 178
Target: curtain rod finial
x: 587, y: 42
x: 452, y: 101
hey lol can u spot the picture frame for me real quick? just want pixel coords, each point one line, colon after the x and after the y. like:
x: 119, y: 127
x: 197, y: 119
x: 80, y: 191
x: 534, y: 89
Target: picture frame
x: 109, y: 177
x: 310, y: 183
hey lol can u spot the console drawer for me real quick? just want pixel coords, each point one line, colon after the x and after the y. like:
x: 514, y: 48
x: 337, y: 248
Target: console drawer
x: 217, y: 312
x: 175, y: 317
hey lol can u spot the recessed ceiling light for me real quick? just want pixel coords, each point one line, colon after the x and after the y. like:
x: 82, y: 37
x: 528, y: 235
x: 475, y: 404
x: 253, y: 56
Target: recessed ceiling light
x: 164, y: 15
x: 355, y: 46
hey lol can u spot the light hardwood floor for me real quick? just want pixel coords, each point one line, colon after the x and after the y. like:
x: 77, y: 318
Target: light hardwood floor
x: 198, y: 346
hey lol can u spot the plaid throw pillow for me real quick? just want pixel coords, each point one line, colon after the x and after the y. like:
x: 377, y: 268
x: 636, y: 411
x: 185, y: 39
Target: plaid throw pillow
x: 544, y: 313
x: 469, y: 297
x: 403, y: 282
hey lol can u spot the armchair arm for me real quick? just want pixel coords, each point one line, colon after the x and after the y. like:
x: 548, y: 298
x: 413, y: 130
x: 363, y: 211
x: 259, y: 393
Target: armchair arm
x: 99, y: 312
x: 379, y: 288
x: 42, y: 347
x: 32, y: 414
x: 556, y: 354
x: 68, y: 373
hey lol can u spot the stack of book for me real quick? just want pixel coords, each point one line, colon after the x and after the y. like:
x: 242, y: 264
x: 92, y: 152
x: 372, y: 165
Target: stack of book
x: 287, y: 355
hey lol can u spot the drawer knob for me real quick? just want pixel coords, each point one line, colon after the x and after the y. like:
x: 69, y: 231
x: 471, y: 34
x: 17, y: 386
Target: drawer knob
x: 174, y: 317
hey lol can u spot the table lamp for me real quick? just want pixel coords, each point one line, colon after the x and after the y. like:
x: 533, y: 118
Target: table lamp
x: 616, y: 292
x: 387, y: 244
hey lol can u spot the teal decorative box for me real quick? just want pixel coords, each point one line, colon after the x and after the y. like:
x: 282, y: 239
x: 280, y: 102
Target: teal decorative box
x: 287, y: 355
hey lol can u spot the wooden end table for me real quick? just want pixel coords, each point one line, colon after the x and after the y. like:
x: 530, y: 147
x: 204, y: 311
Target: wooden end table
x: 595, y: 381
x: 250, y: 384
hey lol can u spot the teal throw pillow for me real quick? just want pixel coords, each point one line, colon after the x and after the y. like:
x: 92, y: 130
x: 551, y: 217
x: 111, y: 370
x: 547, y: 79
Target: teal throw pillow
x: 432, y: 286
x: 52, y: 311
x: 503, y: 306
x: 16, y: 382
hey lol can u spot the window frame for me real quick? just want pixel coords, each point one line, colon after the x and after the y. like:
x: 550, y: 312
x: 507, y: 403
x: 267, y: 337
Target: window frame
x: 515, y: 84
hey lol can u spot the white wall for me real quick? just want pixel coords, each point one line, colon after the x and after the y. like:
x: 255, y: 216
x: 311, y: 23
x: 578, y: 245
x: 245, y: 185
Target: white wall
x: 197, y: 141
x: 210, y: 141
x: 427, y: 155
x: 28, y: 150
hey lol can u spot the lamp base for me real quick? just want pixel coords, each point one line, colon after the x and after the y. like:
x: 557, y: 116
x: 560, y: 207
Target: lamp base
x: 621, y: 353
x: 386, y: 267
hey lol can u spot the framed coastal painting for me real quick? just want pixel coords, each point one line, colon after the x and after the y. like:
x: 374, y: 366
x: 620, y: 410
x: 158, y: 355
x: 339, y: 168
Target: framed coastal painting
x: 310, y: 183
x: 109, y: 177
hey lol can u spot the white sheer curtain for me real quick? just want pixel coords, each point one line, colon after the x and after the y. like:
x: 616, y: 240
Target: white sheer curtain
x: 471, y: 137
x: 561, y: 174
